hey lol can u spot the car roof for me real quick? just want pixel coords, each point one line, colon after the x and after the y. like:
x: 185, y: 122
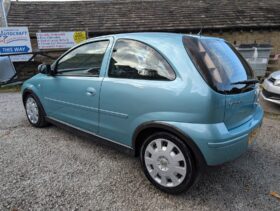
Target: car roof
x: 148, y: 37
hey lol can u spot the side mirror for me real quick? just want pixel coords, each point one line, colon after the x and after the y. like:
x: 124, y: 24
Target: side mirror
x: 45, y: 69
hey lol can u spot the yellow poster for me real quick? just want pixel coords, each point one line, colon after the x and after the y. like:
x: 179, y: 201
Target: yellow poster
x: 79, y: 36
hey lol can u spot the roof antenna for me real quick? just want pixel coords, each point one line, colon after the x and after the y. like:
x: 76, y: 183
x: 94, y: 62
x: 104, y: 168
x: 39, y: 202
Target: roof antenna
x: 199, y: 33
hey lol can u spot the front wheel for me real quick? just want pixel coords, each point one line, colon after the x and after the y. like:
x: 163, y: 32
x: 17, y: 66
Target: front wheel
x: 168, y: 163
x: 34, y: 112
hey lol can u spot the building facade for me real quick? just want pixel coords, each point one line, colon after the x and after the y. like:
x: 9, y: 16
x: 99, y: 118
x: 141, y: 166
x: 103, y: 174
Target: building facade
x: 238, y: 21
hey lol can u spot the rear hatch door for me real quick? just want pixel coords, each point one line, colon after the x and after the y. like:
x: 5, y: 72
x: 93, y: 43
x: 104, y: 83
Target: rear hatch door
x: 239, y: 108
x: 227, y: 72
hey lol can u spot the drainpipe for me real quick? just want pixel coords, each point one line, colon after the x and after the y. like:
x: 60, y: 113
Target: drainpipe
x: 3, y: 11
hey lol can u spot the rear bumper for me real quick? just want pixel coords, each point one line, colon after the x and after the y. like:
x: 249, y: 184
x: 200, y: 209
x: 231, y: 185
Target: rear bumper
x: 271, y: 97
x: 218, y: 144
x: 272, y: 100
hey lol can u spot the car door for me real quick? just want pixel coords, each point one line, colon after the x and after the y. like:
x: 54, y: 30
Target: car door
x: 72, y: 94
x: 132, y: 92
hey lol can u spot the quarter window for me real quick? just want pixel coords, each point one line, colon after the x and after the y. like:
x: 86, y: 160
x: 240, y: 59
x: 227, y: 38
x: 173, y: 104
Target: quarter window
x: 85, y: 60
x: 135, y: 60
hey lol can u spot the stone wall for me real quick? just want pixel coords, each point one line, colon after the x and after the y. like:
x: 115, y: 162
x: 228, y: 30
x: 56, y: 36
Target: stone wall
x: 26, y: 70
x: 271, y: 37
x: 260, y: 37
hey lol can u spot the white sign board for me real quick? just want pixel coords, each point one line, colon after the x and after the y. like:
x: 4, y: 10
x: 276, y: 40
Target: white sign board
x: 59, y: 40
x: 15, y: 40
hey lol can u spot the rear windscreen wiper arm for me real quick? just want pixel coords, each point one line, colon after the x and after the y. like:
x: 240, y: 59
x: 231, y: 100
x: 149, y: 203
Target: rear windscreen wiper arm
x: 250, y: 81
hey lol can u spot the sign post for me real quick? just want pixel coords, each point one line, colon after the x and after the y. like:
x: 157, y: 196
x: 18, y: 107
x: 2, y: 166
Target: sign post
x: 15, y: 40
x: 3, y: 11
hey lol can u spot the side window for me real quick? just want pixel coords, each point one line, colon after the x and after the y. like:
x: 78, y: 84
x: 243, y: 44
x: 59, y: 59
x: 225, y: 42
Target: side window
x: 85, y: 60
x: 135, y: 60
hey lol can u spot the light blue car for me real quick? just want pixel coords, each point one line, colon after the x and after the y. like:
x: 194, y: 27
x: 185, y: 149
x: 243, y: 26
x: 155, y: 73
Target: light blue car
x: 179, y: 102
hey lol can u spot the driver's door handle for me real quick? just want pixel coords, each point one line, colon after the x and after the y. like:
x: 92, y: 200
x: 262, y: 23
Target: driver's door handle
x: 91, y: 91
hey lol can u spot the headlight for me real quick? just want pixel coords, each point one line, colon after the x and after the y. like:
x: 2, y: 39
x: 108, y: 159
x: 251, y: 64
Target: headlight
x: 277, y: 82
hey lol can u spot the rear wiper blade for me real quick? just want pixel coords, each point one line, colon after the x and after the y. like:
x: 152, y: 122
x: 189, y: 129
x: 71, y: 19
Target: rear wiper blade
x: 250, y: 81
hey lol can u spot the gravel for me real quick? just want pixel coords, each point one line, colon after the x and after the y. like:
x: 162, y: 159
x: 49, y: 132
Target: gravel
x: 52, y: 169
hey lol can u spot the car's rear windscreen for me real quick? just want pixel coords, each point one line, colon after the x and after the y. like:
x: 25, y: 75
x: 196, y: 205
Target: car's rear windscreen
x: 219, y: 63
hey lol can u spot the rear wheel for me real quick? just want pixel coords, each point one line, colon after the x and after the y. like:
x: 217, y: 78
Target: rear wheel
x: 34, y: 111
x: 168, y: 163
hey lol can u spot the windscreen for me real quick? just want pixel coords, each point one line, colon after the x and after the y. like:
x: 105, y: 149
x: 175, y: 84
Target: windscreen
x: 219, y: 63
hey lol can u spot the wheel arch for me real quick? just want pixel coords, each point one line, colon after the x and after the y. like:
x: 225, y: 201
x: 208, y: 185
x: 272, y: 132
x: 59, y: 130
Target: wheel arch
x: 146, y: 129
x: 25, y: 93
x: 28, y: 91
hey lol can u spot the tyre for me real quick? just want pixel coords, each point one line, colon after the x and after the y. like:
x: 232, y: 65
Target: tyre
x: 168, y: 163
x: 34, y: 111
